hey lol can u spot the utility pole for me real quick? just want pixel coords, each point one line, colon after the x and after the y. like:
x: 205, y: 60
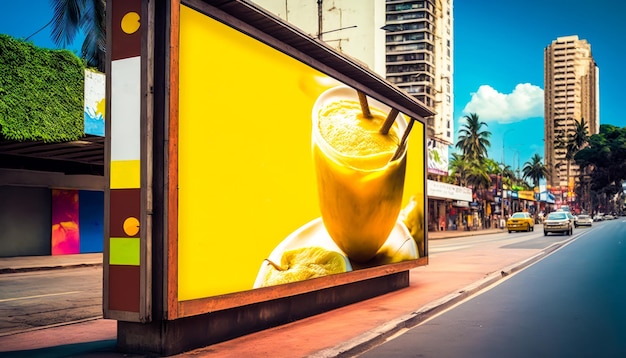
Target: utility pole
x: 319, y: 18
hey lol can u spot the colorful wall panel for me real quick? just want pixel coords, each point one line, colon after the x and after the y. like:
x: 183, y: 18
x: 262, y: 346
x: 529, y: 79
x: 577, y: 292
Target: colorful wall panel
x: 91, y: 221
x: 77, y: 221
x: 65, y: 234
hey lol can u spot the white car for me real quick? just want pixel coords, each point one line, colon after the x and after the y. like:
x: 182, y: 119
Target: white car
x: 559, y: 222
x: 583, y: 220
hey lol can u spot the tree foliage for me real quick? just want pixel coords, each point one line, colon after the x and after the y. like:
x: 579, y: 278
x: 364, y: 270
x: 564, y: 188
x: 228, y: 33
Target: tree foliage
x: 473, y: 140
x: 41, y: 93
x: 535, y: 170
x: 605, y: 155
x: 70, y: 17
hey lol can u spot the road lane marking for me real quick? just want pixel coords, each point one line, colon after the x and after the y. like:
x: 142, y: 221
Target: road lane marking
x: 448, y: 248
x: 38, y: 296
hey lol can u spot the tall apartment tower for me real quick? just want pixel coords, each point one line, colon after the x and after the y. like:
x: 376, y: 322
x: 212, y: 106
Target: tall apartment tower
x: 419, y: 49
x: 571, y: 93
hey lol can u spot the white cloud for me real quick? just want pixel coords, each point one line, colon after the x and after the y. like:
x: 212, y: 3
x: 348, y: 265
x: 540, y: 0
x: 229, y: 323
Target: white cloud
x: 526, y: 101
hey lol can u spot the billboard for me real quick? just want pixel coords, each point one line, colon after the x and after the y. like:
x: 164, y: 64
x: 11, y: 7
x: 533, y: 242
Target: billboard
x: 94, y: 103
x: 437, y: 157
x: 261, y: 201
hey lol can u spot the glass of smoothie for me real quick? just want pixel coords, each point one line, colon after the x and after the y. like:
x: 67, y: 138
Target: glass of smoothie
x: 359, y: 186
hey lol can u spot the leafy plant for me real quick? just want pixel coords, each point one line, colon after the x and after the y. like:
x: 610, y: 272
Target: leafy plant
x: 41, y: 93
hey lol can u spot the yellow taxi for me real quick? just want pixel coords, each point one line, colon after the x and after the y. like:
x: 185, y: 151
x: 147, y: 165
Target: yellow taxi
x: 521, y: 221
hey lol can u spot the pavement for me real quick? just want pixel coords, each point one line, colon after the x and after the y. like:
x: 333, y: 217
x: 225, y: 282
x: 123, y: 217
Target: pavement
x: 450, y: 277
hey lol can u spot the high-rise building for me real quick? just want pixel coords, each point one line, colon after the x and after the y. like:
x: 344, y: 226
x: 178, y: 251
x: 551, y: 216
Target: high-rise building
x: 571, y: 93
x: 419, y: 49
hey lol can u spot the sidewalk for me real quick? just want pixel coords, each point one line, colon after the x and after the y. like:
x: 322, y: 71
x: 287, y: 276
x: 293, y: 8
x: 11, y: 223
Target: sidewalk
x: 450, y: 277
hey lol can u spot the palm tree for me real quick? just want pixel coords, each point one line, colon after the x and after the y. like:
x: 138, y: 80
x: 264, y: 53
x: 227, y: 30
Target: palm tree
x: 459, y: 168
x: 473, y: 141
x: 508, y: 175
x: 534, y: 169
x: 70, y: 17
x: 581, y: 135
x: 492, y: 166
x: 478, y: 174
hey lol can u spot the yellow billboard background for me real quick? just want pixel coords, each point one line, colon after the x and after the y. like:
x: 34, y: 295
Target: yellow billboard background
x: 246, y: 176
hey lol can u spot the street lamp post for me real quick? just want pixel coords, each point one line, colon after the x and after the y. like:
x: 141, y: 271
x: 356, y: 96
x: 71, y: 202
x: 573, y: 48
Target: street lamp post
x: 502, y: 205
x: 503, y: 167
x: 503, y: 137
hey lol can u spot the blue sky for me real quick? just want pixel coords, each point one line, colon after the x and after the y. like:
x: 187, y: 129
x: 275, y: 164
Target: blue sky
x: 499, y: 64
x: 22, y: 19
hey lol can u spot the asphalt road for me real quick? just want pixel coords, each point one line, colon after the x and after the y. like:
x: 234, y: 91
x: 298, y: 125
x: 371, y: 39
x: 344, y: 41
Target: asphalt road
x: 38, y: 299
x: 570, y: 304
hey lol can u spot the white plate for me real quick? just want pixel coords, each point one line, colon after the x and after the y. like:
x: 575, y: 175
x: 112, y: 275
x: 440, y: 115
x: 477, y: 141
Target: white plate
x: 400, y: 242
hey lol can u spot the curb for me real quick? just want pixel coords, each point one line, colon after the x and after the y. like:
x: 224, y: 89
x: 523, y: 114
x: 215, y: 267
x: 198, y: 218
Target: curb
x: 456, y: 235
x: 45, y: 268
x: 389, y: 330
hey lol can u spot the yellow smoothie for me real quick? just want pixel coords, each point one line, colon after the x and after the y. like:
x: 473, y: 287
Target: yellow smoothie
x: 360, y: 190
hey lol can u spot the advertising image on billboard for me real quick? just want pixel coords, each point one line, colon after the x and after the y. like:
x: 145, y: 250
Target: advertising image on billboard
x: 437, y: 157
x: 281, y: 175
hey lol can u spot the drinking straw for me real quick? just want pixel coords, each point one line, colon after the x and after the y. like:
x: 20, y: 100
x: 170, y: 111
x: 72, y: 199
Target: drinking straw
x: 364, y: 106
x: 402, y: 144
x: 389, y: 121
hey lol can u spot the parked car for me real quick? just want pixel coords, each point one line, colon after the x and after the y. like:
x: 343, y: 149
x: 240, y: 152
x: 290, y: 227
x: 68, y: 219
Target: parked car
x: 583, y: 220
x: 598, y: 217
x: 520, y: 222
x: 609, y: 217
x: 559, y: 222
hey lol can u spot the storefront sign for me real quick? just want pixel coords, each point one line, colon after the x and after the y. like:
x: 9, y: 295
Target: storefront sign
x: 526, y: 195
x: 448, y: 191
x: 546, y: 197
x: 461, y: 204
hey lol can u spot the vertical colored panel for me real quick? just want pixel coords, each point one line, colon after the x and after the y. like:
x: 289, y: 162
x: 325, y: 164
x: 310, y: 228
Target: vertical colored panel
x: 91, y: 224
x: 124, y: 284
x: 124, y: 237
x: 65, y: 217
